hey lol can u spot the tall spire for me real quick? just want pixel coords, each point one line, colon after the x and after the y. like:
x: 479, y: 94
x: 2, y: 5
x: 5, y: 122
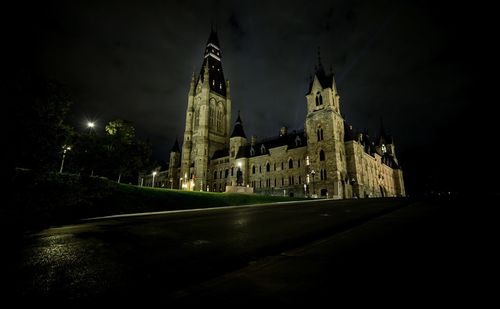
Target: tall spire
x: 212, y: 58
x: 319, y: 66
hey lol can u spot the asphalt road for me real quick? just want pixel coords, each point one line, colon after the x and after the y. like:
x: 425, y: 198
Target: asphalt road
x: 200, y: 256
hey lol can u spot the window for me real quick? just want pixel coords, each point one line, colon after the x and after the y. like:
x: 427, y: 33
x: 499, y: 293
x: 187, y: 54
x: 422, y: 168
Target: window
x: 215, y: 175
x: 232, y: 171
x: 282, y: 168
x: 268, y: 167
x: 321, y: 155
x: 300, y: 180
x: 290, y: 163
x: 298, y: 163
x: 319, y: 99
x: 219, y: 121
x: 212, y: 116
x: 253, y: 169
x: 226, y: 173
x: 323, y: 174
x: 252, y: 152
x: 319, y: 134
x: 262, y: 149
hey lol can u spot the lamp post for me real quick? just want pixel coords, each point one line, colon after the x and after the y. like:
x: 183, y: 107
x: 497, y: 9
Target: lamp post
x: 153, y: 183
x: 65, y: 148
x: 312, y: 174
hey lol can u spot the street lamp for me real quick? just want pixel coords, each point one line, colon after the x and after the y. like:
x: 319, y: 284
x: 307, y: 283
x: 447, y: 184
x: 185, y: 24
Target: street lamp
x: 313, y: 173
x: 90, y: 124
x: 65, y: 148
x: 153, y: 183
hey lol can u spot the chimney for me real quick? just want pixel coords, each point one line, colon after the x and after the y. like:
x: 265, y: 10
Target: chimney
x: 253, y: 140
x: 283, y: 131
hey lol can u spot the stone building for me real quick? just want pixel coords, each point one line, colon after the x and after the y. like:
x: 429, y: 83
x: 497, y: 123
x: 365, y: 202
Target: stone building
x: 328, y: 158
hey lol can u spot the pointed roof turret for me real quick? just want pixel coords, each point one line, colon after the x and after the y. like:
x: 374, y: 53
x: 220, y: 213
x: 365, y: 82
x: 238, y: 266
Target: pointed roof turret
x: 383, y: 137
x: 238, y: 128
x: 326, y: 80
x: 176, y: 148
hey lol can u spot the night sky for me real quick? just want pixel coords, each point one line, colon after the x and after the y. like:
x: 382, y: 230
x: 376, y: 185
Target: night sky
x: 414, y: 63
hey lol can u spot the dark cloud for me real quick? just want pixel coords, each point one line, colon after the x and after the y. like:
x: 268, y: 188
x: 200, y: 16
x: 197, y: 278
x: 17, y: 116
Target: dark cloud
x: 405, y: 61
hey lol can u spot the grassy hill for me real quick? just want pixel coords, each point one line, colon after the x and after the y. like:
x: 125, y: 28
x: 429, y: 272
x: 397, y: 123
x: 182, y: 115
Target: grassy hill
x: 41, y: 201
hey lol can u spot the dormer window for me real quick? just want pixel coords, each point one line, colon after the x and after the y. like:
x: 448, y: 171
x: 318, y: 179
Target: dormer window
x: 252, y: 152
x: 262, y: 149
x: 319, y: 99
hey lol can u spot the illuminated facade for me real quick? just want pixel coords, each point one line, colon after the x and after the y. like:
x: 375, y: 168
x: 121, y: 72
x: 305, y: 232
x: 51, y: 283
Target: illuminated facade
x: 326, y: 159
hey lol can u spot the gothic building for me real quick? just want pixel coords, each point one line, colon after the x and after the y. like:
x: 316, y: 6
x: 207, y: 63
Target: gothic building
x: 328, y: 158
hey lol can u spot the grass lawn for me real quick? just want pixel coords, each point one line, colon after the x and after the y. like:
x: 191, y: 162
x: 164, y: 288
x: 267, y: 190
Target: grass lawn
x: 55, y: 199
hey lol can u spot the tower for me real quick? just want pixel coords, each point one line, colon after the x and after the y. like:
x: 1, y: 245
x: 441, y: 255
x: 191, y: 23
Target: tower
x: 208, y: 117
x: 325, y: 135
x: 237, y: 140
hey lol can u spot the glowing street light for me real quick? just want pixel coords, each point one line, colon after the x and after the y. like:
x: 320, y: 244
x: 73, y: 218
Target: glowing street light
x: 153, y: 183
x: 65, y: 148
x: 90, y: 124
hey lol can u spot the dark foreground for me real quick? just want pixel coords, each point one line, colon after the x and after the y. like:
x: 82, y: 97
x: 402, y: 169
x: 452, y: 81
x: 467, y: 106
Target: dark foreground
x: 277, y: 254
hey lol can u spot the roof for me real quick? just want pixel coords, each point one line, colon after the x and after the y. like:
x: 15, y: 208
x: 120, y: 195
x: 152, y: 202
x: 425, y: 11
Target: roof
x: 238, y: 128
x: 325, y: 80
x: 213, y: 38
x: 292, y: 140
x: 175, y: 147
x: 221, y: 153
x: 212, y: 59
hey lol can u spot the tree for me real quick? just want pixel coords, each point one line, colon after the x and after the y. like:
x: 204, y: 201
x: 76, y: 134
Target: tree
x: 40, y: 108
x: 126, y: 154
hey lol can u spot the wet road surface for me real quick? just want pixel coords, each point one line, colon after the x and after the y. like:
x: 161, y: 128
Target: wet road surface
x: 160, y: 258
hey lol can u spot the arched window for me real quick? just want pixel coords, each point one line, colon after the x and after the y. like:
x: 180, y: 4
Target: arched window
x: 268, y: 167
x: 252, y: 152
x: 212, y: 116
x: 298, y: 163
x: 319, y: 99
x: 253, y: 169
x: 262, y: 149
x: 319, y: 133
x: 219, y: 121
x: 215, y: 175
x: 290, y: 163
x: 321, y: 155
